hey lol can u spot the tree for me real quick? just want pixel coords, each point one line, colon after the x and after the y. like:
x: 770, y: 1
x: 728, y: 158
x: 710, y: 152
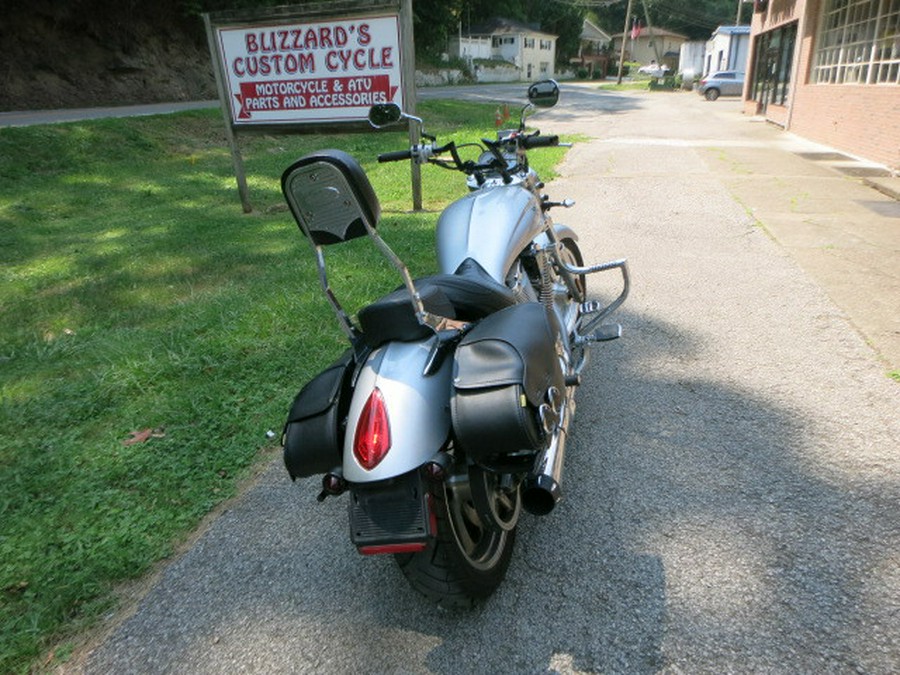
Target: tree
x: 433, y: 23
x: 696, y: 19
x: 560, y: 18
x: 564, y: 20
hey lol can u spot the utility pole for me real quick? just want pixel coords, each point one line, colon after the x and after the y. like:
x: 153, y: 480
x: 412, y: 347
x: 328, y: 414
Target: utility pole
x: 624, y: 38
x: 650, y: 29
x: 737, y: 21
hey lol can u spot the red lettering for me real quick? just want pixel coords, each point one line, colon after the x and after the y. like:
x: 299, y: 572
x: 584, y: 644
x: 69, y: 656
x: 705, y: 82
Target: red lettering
x: 284, y: 44
x: 311, y: 40
x: 250, y: 41
x: 362, y: 36
x: 360, y: 59
x: 325, y: 38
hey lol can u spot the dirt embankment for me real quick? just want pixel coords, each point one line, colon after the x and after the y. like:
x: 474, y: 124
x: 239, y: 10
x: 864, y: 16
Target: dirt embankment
x: 100, y: 52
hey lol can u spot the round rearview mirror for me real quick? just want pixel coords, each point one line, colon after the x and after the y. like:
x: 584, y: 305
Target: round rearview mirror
x: 544, y: 94
x: 384, y: 114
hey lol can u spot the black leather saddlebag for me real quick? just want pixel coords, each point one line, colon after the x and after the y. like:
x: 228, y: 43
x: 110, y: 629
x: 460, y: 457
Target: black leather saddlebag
x: 313, y: 436
x: 503, y: 370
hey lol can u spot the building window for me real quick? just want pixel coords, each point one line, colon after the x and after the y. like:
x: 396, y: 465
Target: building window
x: 859, y: 43
x: 529, y: 43
x: 546, y: 44
x: 545, y: 68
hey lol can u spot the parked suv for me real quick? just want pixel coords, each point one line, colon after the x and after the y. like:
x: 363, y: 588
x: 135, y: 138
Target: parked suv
x: 723, y: 83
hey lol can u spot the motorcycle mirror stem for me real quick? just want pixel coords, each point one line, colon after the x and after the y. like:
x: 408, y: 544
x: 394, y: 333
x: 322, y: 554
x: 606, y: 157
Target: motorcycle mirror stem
x: 527, y: 109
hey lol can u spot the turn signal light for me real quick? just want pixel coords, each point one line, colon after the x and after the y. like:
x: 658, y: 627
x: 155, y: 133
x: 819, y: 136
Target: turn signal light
x: 373, y: 433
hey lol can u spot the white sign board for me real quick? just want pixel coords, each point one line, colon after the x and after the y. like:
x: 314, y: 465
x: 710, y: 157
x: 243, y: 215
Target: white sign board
x: 329, y: 71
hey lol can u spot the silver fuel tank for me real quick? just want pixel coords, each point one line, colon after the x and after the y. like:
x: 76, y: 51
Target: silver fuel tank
x: 492, y: 226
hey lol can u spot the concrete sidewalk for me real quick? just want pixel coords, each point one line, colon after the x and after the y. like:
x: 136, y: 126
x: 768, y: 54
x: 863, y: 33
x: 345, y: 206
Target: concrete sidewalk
x: 837, y: 216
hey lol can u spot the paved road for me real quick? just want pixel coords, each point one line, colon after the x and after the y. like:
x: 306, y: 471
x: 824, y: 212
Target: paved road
x: 732, y: 488
x: 22, y: 118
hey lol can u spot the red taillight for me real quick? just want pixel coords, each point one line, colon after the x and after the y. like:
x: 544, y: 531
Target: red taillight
x: 373, y: 433
x: 413, y: 547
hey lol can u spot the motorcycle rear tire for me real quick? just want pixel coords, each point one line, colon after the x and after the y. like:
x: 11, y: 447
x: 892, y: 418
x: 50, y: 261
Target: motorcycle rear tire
x: 467, y: 560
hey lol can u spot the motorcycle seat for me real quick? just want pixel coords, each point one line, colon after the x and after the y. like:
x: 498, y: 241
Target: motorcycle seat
x: 468, y: 294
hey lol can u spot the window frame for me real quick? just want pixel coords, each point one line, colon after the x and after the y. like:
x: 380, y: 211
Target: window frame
x: 858, y: 43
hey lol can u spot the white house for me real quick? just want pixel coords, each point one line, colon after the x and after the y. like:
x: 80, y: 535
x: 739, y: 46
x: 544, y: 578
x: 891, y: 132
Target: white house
x: 531, y: 51
x: 727, y: 49
x: 469, y: 48
x: 692, y: 60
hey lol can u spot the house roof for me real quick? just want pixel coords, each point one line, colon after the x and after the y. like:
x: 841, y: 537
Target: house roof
x: 592, y: 32
x: 501, y: 25
x: 732, y: 30
x: 656, y: 32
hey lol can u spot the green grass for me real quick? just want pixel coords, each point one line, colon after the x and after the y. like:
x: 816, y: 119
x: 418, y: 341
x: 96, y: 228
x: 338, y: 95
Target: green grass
x: 135, y: 295
x: 642, y: 85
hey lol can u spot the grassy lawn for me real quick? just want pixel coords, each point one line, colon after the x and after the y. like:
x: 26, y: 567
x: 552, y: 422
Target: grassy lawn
x: 136, y: 297
x: 635, y: 85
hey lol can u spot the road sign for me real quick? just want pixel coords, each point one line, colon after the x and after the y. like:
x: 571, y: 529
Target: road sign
x: 325, y: 71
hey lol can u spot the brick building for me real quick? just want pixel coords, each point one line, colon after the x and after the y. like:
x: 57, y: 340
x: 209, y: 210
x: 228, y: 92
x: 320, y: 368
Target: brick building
x: 829, y: 70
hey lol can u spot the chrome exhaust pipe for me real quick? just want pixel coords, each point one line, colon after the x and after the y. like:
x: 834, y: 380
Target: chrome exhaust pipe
x: 542, y: 489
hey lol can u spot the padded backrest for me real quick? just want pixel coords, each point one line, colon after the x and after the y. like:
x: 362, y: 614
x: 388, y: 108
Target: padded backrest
x: 330, y: 197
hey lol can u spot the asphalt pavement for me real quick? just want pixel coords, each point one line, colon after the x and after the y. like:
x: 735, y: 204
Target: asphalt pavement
x: 732, y: 483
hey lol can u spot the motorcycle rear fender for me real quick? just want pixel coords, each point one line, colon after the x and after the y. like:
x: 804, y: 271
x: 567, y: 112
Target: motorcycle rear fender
x: 418, y: 409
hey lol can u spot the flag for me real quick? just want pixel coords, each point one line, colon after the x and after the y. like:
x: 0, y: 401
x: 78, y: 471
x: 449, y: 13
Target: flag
x: 635, y: 30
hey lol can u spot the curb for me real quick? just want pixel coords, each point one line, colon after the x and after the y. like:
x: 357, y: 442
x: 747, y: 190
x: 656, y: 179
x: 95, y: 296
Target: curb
x: 887, y: 186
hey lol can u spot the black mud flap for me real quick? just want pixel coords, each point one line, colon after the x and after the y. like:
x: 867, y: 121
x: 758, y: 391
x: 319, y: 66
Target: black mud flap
x: 391, y: 516
x: 313, y: 436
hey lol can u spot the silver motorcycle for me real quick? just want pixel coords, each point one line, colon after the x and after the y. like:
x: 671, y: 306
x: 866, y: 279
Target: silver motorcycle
x: 448, y: 415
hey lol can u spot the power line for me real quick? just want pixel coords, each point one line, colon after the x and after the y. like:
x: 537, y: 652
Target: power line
x: 587, y: 4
